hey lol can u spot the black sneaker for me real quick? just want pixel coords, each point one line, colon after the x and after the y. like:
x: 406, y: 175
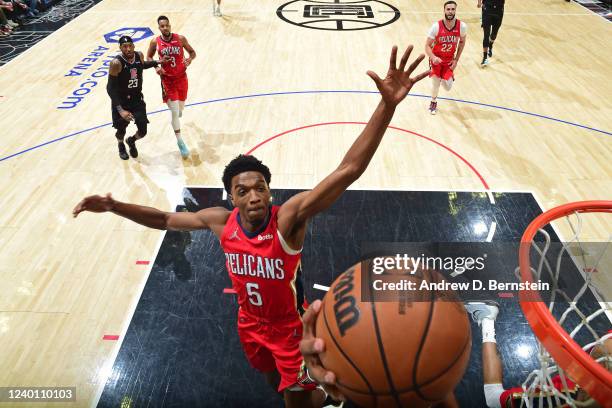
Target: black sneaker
x: 122, y: 153
x: 490, y: 51
x: 131, y: 142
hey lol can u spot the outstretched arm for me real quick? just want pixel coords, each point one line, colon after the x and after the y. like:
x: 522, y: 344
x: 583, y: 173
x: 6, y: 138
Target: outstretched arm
x: 294, y: 213
x: 213, y: 218
x: 152, y: 63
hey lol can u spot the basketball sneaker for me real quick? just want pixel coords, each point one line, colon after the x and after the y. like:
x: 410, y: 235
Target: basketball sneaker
x: 433, y: 107
x: 131, y: 142
x: 482, y: 310
x: 182, y: 148
x: 490, y: 53
x: 122, y: 153
x: 485, y: 62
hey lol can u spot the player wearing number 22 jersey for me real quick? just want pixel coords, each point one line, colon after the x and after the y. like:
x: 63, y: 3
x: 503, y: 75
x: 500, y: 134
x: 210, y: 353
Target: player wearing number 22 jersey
x: 444, y: 45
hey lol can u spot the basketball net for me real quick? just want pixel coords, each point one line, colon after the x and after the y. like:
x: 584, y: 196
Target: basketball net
x: 559, y: 320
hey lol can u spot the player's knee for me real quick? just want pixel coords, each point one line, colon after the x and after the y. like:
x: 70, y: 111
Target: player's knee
x: 176, y: 121
x: 142, y: 130
x: 120, y: 134
x: 492, y: 393
x: 448, y: 84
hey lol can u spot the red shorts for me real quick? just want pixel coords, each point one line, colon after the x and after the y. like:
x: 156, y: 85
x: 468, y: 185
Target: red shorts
x: 273, y: 346
x: 174, y: 88
x: 442, y: 70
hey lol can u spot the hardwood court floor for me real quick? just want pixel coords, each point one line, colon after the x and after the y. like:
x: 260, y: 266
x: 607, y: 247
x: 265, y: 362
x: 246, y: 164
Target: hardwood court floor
x: 66, y: 283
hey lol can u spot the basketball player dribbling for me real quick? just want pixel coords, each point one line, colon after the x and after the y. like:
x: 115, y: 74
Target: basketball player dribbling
x: 263, y: 243
x: 173, y: 74
x: 444, y: 46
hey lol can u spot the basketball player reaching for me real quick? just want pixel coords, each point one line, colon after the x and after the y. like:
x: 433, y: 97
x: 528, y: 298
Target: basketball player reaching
x: 263, y: 243
x: 125, y: 90
x: 496, y: 396
x: 444, y: 46
x: 173, y: 74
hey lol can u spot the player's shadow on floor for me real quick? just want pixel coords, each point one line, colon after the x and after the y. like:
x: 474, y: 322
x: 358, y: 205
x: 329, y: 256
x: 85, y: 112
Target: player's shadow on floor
x: 235, y: 26
x: 466, y: 113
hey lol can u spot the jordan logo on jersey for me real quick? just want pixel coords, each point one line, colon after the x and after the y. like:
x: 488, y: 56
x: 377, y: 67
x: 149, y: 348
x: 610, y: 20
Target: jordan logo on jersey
x: 234, y: 235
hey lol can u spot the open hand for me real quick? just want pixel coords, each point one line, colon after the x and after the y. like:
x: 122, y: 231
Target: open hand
x: 310, y: 347
x: 126, y: 115
x: 95, y: 203
x: 398, y: 82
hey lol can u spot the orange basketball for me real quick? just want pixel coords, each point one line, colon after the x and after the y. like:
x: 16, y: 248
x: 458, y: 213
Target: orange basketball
x: 386, y: 354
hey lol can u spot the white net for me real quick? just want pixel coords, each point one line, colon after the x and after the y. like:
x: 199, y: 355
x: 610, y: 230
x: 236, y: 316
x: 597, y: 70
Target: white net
x: 579, y: 307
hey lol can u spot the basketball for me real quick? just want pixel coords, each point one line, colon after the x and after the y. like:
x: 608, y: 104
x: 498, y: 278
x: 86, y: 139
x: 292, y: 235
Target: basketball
x: 394, y: 353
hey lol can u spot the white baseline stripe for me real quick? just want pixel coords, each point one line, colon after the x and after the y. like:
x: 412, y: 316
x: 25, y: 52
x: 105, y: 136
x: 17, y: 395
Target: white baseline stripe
x: 491, y: 231
x: 320, y: 287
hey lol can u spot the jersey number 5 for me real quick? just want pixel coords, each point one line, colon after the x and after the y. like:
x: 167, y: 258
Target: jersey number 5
x: 254, y: 296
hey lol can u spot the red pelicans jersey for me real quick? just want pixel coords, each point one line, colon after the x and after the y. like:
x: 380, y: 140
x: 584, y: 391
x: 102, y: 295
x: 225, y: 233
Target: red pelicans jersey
x: 263, y: 268
x: 445, y: 41
x: 173, y: 49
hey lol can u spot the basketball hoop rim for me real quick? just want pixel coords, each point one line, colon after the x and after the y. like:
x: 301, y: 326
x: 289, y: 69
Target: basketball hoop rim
x: 568, y: 354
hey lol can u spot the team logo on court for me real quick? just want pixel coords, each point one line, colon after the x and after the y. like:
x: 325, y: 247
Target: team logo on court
x: 338, y: 15
x: 137, y: 34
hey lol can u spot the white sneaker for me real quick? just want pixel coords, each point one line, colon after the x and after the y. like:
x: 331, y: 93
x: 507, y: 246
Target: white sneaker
x: 481, y: 310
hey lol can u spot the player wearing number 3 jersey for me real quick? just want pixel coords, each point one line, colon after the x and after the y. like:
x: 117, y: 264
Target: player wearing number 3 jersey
x: 173, y: 74
x: 263, y: 243
x: 444, y: 46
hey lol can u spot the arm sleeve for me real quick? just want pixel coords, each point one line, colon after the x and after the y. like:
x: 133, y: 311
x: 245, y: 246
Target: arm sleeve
x: 433, y: 31
x: 112, y: 88
x: 463, y: 29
